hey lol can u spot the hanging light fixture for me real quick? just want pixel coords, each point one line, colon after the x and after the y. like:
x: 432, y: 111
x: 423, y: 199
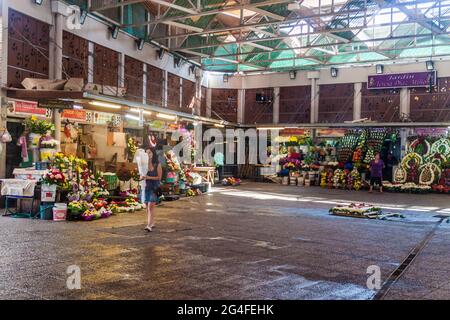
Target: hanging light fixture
x: 114, y: 31
x: 379, y: 69
x: 292, y: 74
x: 140, y: 44
x: 334, y: 72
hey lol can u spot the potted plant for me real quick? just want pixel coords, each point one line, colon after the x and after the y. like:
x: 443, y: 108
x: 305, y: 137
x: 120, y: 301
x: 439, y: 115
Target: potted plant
x: 37, y: 129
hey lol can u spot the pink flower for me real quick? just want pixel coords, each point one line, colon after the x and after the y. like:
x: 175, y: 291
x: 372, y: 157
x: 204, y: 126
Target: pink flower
x: 58, y: 176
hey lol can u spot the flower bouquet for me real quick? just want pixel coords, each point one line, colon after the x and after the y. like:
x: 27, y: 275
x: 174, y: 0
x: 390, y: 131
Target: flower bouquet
x: 54, y: 177
x: 37, y: 126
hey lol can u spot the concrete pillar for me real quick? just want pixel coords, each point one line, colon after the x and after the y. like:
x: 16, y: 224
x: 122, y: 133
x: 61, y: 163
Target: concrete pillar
x: 181, y: 93
x: 241, y: 106
x: 208, y: 102
x: 198, y: 92
x: 57, y: 63
x: 3, y: 78
x: 313, y: 76
x: 91, y: 48
x: 121, y: 70
x: 3, y: 103
x: 405, y: 99
x: 165, y: 88
x: 276, y: 105
x: 357, y: 101
x: 144, y: 84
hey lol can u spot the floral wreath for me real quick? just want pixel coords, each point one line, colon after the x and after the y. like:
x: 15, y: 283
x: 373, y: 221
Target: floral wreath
x: 441, y: 146
x: 400, y: 175
x: 433, y: 167
x: 412, y: 157
x: 418, y: 145
x: 427, y: 176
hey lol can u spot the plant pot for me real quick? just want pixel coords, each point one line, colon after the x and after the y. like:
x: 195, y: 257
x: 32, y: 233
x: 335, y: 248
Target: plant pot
x: 33, y: 140
x: 47, y: 154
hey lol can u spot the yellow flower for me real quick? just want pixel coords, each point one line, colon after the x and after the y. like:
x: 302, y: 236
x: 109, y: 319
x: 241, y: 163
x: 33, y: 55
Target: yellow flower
x: 33, y: 118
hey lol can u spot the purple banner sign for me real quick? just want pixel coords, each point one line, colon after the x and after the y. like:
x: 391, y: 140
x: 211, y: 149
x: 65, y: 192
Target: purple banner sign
x: 413, y: 79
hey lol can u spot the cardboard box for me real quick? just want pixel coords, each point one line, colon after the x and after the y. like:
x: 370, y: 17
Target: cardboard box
x: 93, y: 88
x: 43, y: 84
x: 74, y: 84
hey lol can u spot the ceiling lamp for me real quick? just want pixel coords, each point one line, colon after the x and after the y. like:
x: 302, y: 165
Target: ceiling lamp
x: 430, y: 65
x: 166, y: 116
x: 334, y: 72
x: 136, y: 110
x: 292, y: 74
x: 379, y: 69
x: 105, y: 105
x: 132, y: 117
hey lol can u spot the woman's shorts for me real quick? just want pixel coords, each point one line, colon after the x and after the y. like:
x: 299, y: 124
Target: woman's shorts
x: 375, y: 181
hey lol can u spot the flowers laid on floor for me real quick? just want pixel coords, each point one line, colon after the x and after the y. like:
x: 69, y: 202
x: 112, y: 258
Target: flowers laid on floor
x: 231, y: 182
x: 356, y: 209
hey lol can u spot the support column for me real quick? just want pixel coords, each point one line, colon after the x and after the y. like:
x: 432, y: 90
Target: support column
x: 313, y: 76
x: 91, y: 48
x: 357, y: 101
x: 57, y: 64
x: 181, y: 93
x: 121, y: 70
x: 405, y: 99
x: 144, y: 84
x: 208, y: 102
x: 241, y: 106
x: 198, y: 92
x: 165, y: 89
x: 276, y: 105
x: 3, y: 78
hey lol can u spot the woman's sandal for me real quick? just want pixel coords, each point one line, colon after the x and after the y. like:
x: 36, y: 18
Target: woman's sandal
x: 148, y: 229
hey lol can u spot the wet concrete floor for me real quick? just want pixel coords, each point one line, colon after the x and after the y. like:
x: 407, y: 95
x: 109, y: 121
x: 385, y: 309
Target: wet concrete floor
x: 256, y: 241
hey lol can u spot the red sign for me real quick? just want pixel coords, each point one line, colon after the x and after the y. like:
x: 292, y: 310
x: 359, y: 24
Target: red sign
x: 331, y: 133
x: 79, y: 115
x: 29, y: 108
x: 295, y: 132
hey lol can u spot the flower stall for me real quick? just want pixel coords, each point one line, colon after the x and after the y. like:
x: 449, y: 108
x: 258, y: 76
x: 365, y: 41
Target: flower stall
x: 424, y: 168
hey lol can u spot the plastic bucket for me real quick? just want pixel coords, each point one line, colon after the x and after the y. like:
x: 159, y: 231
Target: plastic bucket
x: 46, y: 212
x: 60, y: 212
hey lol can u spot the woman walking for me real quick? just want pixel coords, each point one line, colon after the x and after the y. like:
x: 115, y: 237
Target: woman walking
x: 153, y: 181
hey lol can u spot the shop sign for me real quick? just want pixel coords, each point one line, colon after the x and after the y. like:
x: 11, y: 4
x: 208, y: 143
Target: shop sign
x: 157, y: 125
x: 331, y: 133
x: 399, y: 80
x: 431, y: 132
x: 76, y: 115
x: 295, y: 132
x: 19, y: 107
x: 55, y: 104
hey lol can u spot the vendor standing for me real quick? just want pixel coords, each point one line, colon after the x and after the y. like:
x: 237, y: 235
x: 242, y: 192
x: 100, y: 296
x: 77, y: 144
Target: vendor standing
x: 376, y: 173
